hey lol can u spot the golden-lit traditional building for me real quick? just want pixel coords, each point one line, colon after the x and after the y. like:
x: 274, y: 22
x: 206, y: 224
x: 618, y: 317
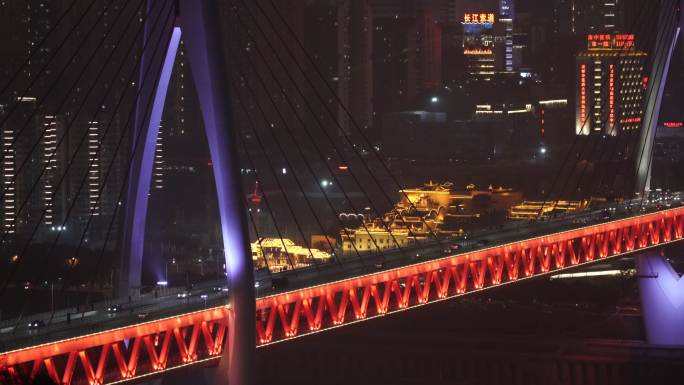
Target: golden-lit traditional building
x: 372, y: 237
x: 536, y: 209
x: 433, y: 208
x: 283, y: 254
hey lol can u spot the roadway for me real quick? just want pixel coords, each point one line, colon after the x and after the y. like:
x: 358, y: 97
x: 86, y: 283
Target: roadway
x: 16, y: 333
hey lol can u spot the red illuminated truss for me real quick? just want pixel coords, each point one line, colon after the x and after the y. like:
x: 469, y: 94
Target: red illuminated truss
x: 136, y: 352
x: 284, y: 316
x: 122, y: 355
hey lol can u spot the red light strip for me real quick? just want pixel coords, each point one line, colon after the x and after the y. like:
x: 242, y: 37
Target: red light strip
x: 128, y: 360
x: 288, y: 315
x: 122, y: 357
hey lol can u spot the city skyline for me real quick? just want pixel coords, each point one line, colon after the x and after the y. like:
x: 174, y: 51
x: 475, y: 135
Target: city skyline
x: 252, y: 187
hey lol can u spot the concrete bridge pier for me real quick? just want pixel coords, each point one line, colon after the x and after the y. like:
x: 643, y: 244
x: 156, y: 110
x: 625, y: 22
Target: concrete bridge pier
x: 662, y: 300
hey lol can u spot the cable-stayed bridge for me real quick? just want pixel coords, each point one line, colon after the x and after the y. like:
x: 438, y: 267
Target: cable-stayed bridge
x: 213, y: 326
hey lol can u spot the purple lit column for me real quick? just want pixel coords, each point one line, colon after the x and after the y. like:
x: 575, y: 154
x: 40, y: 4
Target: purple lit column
x: 139, y: 182
x: 662, y: 300
x: 200, y: 23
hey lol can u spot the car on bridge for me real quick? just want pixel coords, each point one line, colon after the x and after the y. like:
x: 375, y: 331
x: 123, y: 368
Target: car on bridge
x: 36, y: 324
x: 452, y: 249
x: 112, y: 310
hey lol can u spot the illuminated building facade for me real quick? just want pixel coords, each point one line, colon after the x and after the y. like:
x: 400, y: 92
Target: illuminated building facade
x: 479, y: 45
x: 536, y: 209
x: 610, y: 85
x: 54, y: 161
x: 433, y: 208
x: 507, y: 18
x: 374, y: 236
x: 280, y: 254
x: 16, y: 148
x: 407, y: 55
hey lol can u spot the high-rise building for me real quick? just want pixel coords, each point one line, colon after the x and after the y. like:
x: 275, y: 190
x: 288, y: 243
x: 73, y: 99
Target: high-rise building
x: 596, y: 16
x: 355, y: 65
x: 51, y: 153
x: 507, y: 18
x: 407, y: 55
x: 54, y: 161
x: 610, y: 85
x: 424, y: 54
x: 173, y: 125
x: 479, y: 45
x: 15, y: 151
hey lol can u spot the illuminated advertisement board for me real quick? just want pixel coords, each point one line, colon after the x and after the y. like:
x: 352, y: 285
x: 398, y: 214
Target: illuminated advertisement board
x: 610, y: 41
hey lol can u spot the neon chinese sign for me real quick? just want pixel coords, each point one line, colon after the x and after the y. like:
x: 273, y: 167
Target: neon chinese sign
x: 611, y: 97
x: 478, y: 52
x: 478, y: 18
x: 610, y: 41
x: 583, y: 94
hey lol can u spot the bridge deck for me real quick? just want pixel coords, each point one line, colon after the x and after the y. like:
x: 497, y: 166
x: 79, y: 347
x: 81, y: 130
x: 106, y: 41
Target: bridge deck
x: 146, y: 348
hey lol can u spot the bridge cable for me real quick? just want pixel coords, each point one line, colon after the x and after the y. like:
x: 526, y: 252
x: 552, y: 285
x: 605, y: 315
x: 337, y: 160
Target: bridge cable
x: 55, y: 82
x: 321, y: 157
x: 241, y: 136
x: 570, y: 151
x: 301, y: 154
x: 43, y: 264
x: 129, y: 167
x: 666, y: 45
x: 160, y: 42
x: 96, y: 205
x: 65, y: 135
x: 611, y: 134
x: 622, y: 152
x: 37, y: 47
x: 629, y: 147
x: 330, y: 139
x: 581, y: 153
x: 54, y: 115
x: 249, y: 210
x: 317, y: 149
x: 289, y: 165
x: 70, y: 163
x: 345, y: 135
x: 336, y: 121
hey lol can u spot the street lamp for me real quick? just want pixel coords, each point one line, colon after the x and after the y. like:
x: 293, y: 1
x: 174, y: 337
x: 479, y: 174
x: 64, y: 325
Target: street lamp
x: 434, y: 99
x: 72, y: 262
x: 163, y: 285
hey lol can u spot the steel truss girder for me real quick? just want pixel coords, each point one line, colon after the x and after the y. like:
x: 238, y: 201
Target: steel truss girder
x: 126, y: 355
x: 137, y: 352
x: 292, y: 314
